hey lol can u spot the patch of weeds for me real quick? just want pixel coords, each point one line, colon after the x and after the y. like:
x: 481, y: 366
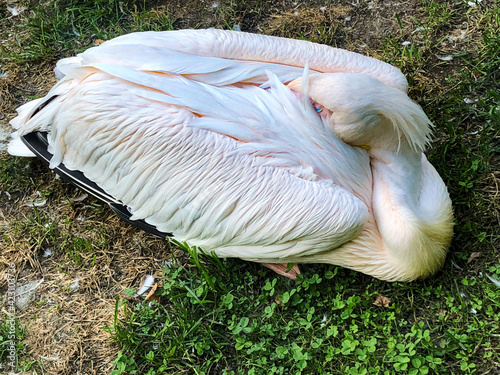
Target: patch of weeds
x: 245, y: 14
x: 309, y: 24
x: 75, y: 246
x: 16, y: 174
x: 406, y: 56
x: 125, y: 365
x: 39, y: 228
x: 66, y: 27
x: 43, y: 233
x: 439, y: 15
x: 151, y: 20
x: 415, y: 48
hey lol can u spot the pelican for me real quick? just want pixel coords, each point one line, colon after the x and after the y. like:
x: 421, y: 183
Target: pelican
x: 267, y: 149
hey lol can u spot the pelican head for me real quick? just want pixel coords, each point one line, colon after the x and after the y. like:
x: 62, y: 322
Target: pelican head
x: 364, y: 111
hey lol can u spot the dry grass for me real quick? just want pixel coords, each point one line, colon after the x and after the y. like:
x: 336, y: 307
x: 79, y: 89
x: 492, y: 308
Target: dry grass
x: 318, y: 25
x: 65, y: 323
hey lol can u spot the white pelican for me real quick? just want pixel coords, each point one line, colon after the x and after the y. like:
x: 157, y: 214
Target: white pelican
x: 215, y: 136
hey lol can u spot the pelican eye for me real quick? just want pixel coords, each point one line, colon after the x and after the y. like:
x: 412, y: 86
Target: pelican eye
x: 318, y: 109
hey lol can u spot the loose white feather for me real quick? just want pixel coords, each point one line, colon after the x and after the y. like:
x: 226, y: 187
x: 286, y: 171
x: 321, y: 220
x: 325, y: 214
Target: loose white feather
x: 18, y: 148
x: 146, y: 285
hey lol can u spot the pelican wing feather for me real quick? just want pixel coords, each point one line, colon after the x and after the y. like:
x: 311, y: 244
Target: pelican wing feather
x: 212, y: 70
x: 262, y: 48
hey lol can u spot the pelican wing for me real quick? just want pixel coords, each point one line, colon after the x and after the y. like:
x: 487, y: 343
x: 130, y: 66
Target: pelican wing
x: 212, y: 70
x: 240, y: 170
x: 263, y: 48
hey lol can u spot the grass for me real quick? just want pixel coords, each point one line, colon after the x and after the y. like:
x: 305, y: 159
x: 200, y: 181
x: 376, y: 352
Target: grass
x: 232, y: 317
x: 236, y: 320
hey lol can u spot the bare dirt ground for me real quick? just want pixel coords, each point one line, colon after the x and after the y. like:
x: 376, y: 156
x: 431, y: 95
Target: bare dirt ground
x: 100, y: 255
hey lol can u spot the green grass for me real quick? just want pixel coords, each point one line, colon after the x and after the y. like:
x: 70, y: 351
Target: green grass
x: 16, y: 174
x: 244, y: 13
x: 232, y: 317
x: 63, y: 26
x: 45, y: 232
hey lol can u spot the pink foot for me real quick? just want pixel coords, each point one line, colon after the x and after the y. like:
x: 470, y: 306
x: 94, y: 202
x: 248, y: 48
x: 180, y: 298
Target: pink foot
x: 281, y: 269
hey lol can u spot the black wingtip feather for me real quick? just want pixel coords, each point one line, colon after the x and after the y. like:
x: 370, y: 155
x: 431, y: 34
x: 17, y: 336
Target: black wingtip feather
x: 37, y: 142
